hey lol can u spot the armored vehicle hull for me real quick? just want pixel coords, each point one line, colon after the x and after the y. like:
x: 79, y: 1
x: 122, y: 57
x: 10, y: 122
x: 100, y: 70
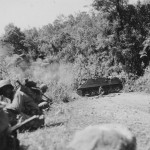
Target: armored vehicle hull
x: 100, y: 86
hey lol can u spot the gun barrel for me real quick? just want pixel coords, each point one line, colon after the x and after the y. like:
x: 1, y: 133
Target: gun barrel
x: 19, y: 82
x: 47, y: 98
x: 17, y: 126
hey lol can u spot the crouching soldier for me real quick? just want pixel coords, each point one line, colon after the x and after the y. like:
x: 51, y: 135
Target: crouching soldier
x: 37, y: 93
x: 8, y: 141
x: 22, y: 106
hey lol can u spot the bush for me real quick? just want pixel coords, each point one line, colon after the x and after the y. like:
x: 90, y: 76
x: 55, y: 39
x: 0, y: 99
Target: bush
x: 142, y: 84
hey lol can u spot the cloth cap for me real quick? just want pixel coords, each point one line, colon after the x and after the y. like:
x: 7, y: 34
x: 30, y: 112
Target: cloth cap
x: 143, y: 55
x: 30, y: 84
x: 4, y: 83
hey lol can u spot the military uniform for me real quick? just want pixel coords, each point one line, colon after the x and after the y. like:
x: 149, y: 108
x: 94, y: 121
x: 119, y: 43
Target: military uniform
x: 22, y: 107
x: 40, y: 100
x: 25, y: 106
x: 3, y: 129
x: 22, y: 103
x: 36, y: 93
x: 7, y: 141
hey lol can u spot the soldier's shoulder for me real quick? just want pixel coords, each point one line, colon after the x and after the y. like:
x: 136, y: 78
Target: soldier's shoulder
x: 19, y: 92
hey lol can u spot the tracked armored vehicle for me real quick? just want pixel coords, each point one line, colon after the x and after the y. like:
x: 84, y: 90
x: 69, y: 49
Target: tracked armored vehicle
x: 100, y: 86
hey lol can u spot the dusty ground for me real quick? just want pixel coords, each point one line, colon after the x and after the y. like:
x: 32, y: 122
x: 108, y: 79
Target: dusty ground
x: 129, y: 109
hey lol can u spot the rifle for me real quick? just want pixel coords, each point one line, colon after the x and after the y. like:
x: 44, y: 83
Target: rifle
x: 49, y: 100
x: 19, y: 125
x: 29, y: 92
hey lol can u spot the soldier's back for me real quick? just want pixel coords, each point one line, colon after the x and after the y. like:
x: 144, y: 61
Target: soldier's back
x: 8, y: 141
x: 3, y: 128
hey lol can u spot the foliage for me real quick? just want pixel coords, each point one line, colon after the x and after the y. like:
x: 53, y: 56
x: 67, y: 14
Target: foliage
x: 108, y: 41
x: 14, y: 37
x: 142, y: 84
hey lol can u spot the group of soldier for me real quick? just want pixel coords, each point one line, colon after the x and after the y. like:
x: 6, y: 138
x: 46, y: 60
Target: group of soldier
x: 25, y: 101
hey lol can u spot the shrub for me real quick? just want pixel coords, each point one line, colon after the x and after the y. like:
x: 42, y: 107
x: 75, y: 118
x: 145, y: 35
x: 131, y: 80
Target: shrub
x: 142, y: 84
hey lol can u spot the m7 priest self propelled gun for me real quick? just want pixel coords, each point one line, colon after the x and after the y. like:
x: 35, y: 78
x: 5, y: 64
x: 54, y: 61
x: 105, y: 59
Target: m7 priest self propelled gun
x: 100, y: 86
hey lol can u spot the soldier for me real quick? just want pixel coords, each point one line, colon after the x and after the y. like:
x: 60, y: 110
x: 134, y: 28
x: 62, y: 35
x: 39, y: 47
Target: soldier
x: 3, y: 128
x: 37, y: 93
x: 7, y: 141
x: 21, y: 104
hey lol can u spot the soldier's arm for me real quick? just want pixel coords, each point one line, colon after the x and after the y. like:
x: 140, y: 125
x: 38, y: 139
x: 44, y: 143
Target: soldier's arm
x: 29, y: 102
x: 17, y: 103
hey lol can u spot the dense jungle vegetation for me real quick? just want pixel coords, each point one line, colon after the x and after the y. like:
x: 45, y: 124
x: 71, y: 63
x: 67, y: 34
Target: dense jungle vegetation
x: 113, y: 39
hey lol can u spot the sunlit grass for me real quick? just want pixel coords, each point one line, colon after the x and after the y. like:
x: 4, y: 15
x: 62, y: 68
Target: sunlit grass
x: 55, y: 135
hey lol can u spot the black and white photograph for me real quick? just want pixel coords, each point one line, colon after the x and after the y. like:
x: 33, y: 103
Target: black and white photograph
x: 74, y: 74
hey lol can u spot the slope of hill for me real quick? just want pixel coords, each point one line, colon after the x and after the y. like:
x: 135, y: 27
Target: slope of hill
x: 129, y: 109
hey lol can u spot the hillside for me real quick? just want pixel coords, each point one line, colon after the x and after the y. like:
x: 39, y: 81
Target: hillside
x: 129, y: 109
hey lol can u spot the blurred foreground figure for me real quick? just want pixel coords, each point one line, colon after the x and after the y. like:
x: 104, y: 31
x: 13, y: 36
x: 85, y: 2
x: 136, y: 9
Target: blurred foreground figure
x: 8, y: 141
x: 104, y: 137
x: 22, y: 106
x: 3, y: 129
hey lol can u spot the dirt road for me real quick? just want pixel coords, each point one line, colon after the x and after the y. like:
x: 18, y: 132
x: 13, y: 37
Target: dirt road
x: 130, y: 109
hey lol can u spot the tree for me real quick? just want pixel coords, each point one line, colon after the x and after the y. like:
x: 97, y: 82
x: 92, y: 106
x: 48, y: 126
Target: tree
x: 32, y: 42
x: 15, y: 38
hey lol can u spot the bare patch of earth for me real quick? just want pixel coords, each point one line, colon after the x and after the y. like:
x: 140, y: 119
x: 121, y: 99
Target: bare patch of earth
x: 129, y: 109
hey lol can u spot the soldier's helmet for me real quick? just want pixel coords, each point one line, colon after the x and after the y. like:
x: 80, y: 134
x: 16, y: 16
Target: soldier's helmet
x: 30, y: 83
x: 4, y: 83
x: 43, y: 87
